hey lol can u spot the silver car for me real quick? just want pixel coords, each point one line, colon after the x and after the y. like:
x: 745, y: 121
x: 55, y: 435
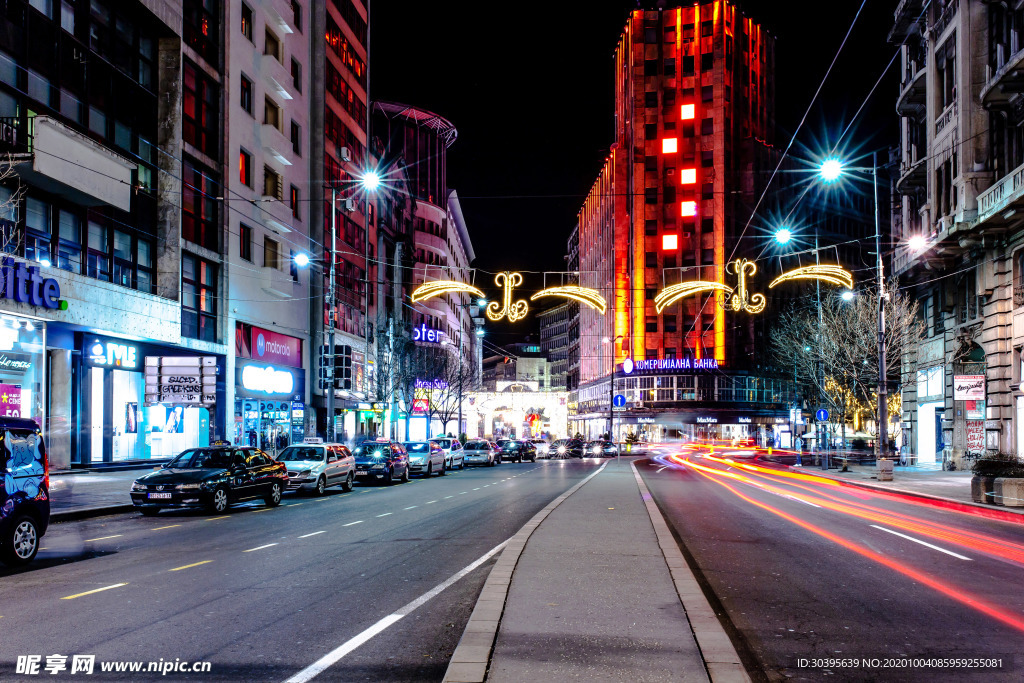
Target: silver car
x: 314, y: 465
x: 452, y: 451
x: 480, y: 452
x: 426, y: 458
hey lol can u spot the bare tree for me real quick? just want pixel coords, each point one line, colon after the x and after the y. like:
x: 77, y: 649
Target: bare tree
x: 9, y: 205
x: 444, y: 380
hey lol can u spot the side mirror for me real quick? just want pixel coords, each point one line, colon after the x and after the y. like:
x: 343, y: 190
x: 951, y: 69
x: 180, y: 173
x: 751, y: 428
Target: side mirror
x: 331, y: 458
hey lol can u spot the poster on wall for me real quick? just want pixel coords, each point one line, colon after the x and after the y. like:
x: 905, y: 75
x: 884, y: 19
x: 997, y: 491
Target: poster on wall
x: 131, y: 418
x: 975, y: 436
x: 10, y: 400
x: 969, y: 387
x: 975, y: 410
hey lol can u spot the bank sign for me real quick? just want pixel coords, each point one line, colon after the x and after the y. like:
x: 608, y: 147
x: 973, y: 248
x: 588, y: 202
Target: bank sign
x: 25, y: 285
x: 630, y: 366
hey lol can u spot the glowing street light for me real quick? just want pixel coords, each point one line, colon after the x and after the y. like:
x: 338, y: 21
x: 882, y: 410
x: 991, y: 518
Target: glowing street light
x: 370, y: 180
x: 783, y: 235
x: 917, y: 242
x: 847, y: 295
x: 830, y: 170
x: 301, y: 260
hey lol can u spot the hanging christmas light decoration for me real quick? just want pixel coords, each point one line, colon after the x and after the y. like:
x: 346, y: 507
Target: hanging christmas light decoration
x: 830, y: 273
x: 438, y: 287
x: 513, y: 310
x: 741, y: 299
x: 584, y: 295
x: 674, y: 293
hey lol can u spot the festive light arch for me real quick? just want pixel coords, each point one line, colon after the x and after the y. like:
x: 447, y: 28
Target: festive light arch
x: 513, y: 310
x: 584, y: 295
x: 438, y: 287
x: 674, y: 293
x: 830, y: 273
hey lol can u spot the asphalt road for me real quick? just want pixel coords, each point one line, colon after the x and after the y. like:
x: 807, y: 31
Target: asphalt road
x: 808, y: 570
x: 261, y: 594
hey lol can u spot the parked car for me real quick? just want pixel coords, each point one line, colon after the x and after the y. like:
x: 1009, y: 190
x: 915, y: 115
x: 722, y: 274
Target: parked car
x: 213, y: 477
x: 518, y: 451
x: 452, y: 451
x: 381, y: 460
x: 426, y: 458
x: 567, y: 448
x: 600, y: 449
x: 25, y: 495
x: 543, y: 448
x: 480, y: 452
x: 314, y: 466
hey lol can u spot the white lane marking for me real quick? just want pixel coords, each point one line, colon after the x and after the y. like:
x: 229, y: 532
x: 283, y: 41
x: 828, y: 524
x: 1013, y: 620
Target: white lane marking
x: 334, y: 656
x: 351, y: 523
x: 801, y: 500
x: 386, y: 514
x: 447, y: 497
x: 477, y: 488
x: 269, y: 545
x: 313, y: 534
x: 924, y: 543
x: 102, y: 538
x: 661, y: 468
x: 462, y: 493
x: 411, y: 507
x: 432, y: 501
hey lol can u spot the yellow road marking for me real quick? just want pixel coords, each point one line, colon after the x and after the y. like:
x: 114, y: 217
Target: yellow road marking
x: 210, y: 519
x: 170, y: 526
x: 103, y: 538
x: 95, y: 590
x: 189, y: 566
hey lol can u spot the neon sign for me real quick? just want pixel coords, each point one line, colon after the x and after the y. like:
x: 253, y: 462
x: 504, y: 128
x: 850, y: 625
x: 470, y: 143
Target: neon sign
x: 438, y: 287
x: 584, y: 295
x: 267, y: 379
x: 741, y: 298
x: 114, y: 355
x: 25, y: 285
x: 661, y: 364
x: 425, y: 334
x: 830, y: 273
x: 674, y: 293
x: 514, y: 311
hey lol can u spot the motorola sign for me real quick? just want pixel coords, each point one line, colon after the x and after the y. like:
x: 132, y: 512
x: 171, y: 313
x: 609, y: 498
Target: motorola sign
x: 267, y: 379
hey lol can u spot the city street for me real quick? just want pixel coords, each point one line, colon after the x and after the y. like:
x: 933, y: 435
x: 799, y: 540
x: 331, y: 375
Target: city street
x: 263, y: 593
x: 807, y: 569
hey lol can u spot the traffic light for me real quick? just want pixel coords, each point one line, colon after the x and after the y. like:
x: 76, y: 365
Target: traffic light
x: 342, y: 366
x: 325, y: 370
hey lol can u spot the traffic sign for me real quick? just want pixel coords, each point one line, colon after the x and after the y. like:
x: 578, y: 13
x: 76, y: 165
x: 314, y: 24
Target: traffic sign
x: 619, y: 401
x: 821, y: 415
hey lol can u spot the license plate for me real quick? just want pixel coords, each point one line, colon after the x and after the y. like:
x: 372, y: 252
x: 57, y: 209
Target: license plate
x: 361, y: 474
x: 160, y: 495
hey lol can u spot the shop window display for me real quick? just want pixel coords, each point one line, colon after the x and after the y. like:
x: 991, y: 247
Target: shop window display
x: 22, y: 367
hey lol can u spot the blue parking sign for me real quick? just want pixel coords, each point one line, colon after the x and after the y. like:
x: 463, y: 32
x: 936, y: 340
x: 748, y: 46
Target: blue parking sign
x: 822, y: 415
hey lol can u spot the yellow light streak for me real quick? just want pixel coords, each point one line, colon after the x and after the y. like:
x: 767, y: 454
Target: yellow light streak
x: 830, y: 273
x: 674, y: 293
x: 438, y: 287
x: 584, y: 295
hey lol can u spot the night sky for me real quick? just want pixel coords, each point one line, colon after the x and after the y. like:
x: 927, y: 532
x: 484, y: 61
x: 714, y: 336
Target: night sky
x: 531, y: 94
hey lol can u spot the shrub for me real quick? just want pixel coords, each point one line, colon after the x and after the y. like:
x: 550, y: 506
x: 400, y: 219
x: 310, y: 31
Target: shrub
x: 998, y: 465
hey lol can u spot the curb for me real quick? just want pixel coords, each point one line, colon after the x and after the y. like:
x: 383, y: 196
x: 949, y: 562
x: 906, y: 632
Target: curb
x: 86, y: 513
x: 716, y: 649
x: 472, y: 656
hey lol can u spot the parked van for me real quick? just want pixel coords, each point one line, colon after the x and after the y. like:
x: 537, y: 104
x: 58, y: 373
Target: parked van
x: 25, y: 493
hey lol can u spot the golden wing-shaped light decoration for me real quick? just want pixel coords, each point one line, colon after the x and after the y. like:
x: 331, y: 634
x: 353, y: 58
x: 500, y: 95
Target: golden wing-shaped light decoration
x: 674, y: 293
x: 438, y: 287
x: 584, y: 295
x: 830, y: 273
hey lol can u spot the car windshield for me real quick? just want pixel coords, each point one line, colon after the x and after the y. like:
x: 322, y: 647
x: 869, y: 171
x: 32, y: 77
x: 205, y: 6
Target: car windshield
x: 561, y: 442
x: 201, y: 458
x: 368, y: 449
x: 301, y: 453
x: 510, y: 445
x: 477, y: 446
x: 443, y: 443
x: 418, y: 447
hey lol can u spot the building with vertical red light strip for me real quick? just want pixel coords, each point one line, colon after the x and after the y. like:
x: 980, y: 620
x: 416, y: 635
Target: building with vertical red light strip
x: 694, y: 125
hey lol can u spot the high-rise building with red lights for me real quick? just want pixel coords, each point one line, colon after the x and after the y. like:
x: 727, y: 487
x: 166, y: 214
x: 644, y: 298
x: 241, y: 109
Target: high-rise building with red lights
x: 694, y: 126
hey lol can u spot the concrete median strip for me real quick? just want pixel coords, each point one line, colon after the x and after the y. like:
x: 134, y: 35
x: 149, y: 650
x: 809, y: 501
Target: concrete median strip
x: 720, y: 657
x: 470, y: 660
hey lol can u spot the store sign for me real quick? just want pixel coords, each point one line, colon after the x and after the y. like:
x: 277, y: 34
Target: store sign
x: 975, y: 436
x: 645, y: 420
x: 707, y: 420
x: 10, y: 400
x: 438, y: 384
x: 425, y: 334
x: 181, y: 380
x: 15, y: 361
x: 112, y: 355
x: 273, y: 347
x: 744, y: 420
x: 969, y: 387
x: 666, y: 364
x: 267, y: 379
x: 420, y: 406
x: 26, y: 286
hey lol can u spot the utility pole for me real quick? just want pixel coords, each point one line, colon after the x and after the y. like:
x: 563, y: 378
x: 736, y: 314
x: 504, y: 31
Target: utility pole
x: 331, y: 432
x: 883, y: 389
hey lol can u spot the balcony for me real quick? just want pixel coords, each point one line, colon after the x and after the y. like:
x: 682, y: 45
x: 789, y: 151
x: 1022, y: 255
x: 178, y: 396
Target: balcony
x: 276, y: 76
x: 1006, y: 82
x: 276, y: 144
x: 277, y: 282
x: 281, y: 15
x: 41, y: 150
x: 275, y: 214
x: 913, y: 175
x: 905, y: 20
x: 911, y: 101
x: 999, y: 204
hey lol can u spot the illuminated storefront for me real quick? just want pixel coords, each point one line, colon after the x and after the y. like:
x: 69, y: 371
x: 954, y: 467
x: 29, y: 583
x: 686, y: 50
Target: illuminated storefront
x: 22, y: 367
x: 270, y: 385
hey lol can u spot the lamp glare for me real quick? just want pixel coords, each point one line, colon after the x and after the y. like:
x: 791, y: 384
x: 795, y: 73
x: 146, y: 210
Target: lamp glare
x: 301, y: 260
x: 847, y: 295
x: 831, y: 169
x: 371, y: 180
x: 917, y: 242
x: 783, y: 235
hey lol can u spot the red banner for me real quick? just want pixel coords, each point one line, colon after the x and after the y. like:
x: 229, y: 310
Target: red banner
x: 275, y: 348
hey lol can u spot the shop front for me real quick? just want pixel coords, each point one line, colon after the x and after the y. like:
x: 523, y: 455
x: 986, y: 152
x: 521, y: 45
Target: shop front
x: 22, y: 367
x: 270, y: 387
x: 765, y: 427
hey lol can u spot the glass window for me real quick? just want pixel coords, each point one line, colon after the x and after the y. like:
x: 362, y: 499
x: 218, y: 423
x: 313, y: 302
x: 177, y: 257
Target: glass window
x: 99, y: 248
x: 245, y: 168
x: 37, y: 215
x: 297, y: 15
x: 297, y: 75
x: 69, y: 249
x: 246, y: 95
x: 247, y: 21
x: 271, y: 253
x: 198, y: 303
x: 8, y: 70
x: 39, y: 87
x: 200, y: 111
x: 245, y: 241
x: 200, y: 207
x: 200, y: 29
x: 271, y: 45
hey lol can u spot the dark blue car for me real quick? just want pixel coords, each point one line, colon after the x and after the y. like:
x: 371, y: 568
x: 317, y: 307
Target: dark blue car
x: 381, y: 460
x: 25, y: 495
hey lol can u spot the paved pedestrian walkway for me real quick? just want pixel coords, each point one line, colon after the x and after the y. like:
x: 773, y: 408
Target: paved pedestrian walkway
x: 931, y: 482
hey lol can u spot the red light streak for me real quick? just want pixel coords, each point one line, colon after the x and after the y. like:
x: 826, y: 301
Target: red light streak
x: 949, y: 591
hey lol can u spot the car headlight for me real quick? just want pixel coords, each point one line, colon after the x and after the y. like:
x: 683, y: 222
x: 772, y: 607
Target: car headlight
x: 561, y: 449
x: 304, y: 473
x: 189, y: 487
x: 378, y: 466
x: 138, y: 486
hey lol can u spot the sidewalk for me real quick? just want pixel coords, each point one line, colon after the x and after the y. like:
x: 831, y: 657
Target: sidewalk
x: 597, y: 594
x: 955, y: 486
x: 86, y: 494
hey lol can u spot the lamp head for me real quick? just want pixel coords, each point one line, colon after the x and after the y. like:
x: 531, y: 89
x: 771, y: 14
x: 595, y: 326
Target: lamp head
x: 830, y: 170
x: 301, y: 260
x: 370, y: 181
x: 783, y: 235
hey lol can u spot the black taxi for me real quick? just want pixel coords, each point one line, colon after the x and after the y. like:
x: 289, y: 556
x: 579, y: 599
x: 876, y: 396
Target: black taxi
x: 211, y: 477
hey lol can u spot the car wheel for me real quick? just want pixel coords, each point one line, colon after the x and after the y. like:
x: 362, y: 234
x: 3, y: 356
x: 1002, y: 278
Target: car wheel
x: 149, y: 512
x: 444, y: 470
x: 405, y: 475
x: 347, y: 484
x: 22, y: 542
x: 321, y: 486
x: 389, y: 478
x: 491, y: 463
x: 533, y: 459
x: 219, y: 501
x: 273, y: 498
x: 430, y: 470
x: 462, y: 464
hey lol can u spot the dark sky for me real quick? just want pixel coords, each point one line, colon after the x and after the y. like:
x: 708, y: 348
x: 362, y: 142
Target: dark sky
x: 530, y: 91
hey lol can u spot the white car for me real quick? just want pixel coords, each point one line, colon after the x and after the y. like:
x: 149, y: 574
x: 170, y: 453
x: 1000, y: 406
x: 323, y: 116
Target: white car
x: 314, y: 466
x: 543, y: 448
x: 452, y: 452
x: 426, y: 458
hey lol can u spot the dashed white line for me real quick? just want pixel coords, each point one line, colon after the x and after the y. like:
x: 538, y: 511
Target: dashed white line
x: 386, y: 514
x: 432, y: 501
x: 477, y: 488
x: 261, y: 547
x: 924, y: 543
x: 447, y: 497
x: 351, y: 523
x: 462, y: 493
x: 411, y: 507
x: 313, y: 534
